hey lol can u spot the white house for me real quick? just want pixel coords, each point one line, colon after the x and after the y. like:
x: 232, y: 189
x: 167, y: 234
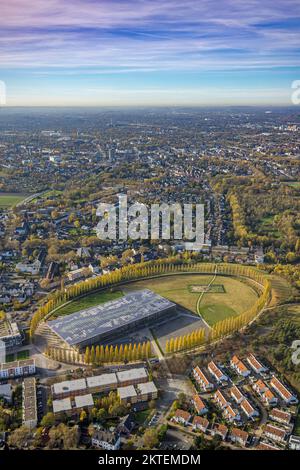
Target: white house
x: 285, y: 394
x: 255, y: 364
x: 217, y: 373
x: 106, y: 440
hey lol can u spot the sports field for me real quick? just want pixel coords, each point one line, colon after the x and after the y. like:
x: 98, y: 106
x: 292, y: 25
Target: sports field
x: 88, y: 301
x: 10, y: 199
x: 226, y: 297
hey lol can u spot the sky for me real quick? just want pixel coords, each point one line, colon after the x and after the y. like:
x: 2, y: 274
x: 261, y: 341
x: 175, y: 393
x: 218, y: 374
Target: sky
x: 149, y: 52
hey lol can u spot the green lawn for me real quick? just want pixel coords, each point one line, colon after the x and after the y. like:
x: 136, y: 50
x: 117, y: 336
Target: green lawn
x: 141, y: 416
x: 10, y: 357
x: 212, y: 313
x: 293, y: 184
x: 215, y: 305
x: 19, y: 356
x: 23, y: 355
x: 10, y: 199
x: 88, y: 301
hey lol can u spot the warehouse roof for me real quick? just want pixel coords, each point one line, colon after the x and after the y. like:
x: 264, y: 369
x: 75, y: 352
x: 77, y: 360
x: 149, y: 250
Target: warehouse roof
x: 132, y: 374
x: 105, y: 318
x: 84, y: 400
x: 62, y: 405
x: 127, y: 392
x: 69, y: 386
x: 102, y: 380
x: 147, y: 387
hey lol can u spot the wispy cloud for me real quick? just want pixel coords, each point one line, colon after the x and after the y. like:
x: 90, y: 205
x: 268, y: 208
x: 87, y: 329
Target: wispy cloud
x: 160, y: 34
x: 54, y: 41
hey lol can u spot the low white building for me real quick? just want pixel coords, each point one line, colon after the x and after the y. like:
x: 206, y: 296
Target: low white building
x: 106, y: 440
x: 294, y: 443
x: 21, y: 368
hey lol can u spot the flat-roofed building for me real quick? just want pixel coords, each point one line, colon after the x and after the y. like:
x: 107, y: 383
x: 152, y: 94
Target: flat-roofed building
x: 69, y: 388
x: 83, y: 401
x: 102, y: 383
x: 146, y: 391
x: 132, y: 376
x: 23, y: 368
x: 10, y: 334
x: 107, y: 321
x: 127, y: 394
x: 62, y: 406
x: 29, y: 406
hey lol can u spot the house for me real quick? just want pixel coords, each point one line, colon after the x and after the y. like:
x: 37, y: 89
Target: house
x: 260, y: 387
x: 265, y: 393
x: 108, y: 440
x: 239, y: 367
x: 239, y: 436
x: 255, y: 364
x: 284, y: 393
x: 248, y: 409
x: 236, y: 394
x: 220, y: 430
x: 275, y: 433
x: 20, y: 368
x: 126, y: 425
x: 217, y: 373
x: 265, y: 446
x: 182, y: 417
x: 231, y: 414
x: 268, y: 398
x: 280, y: 416
x: 200, y: 423
x: 201, y: 379
x: 294, y: 443
x: 29, y: 268
x: 199, y: 405
x: 220, y: 399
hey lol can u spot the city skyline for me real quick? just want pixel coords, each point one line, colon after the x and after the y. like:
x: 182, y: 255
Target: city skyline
x: 149, y: 53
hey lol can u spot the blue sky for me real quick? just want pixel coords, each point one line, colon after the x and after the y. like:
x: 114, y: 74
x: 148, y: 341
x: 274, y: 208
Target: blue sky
x: 156, y: 52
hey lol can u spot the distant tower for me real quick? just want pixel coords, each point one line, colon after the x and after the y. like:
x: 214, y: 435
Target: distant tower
x: 110, y: 154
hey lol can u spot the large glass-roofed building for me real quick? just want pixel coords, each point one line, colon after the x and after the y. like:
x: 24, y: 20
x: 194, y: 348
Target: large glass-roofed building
x: 111, y: 319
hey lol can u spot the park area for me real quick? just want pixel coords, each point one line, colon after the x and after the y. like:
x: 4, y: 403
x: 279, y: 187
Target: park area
x: 226, y: 296
x: 202, y: 300
x: 8, y: 200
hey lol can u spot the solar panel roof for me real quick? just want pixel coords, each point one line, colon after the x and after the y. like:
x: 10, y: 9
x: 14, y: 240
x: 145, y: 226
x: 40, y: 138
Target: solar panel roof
x: 104, y: 318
